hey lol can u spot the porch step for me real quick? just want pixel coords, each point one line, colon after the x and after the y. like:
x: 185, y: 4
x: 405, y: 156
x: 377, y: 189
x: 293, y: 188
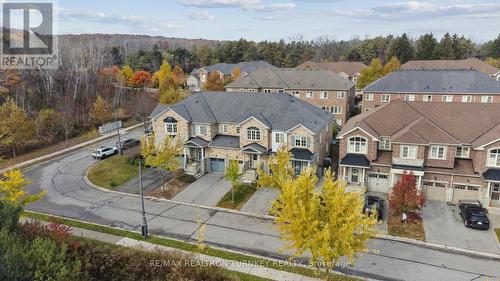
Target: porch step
x: 198, y: 175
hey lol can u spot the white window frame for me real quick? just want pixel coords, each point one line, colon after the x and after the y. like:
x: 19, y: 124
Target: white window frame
x: 462, y: 149
x: 242, y: 90
x: 323, y: 95
x: 296, y: 94
x: 267, y: 90
x: 486, y: 99
x: 198, y: 130
x: 437, y: 152
x: 410, y: 97
x: 223, y: 128
x: 467, y: 98
x: 357, y: 145
x: 171, y: 128
x: 281, y: 90
x: 411, y: 152
x: 309, y: 94
x: 279, y: 137
x: 427, y: 98
x: 447, y: 98
x: 493, y: 159
x: 369, y: 97
x: 252, y: 90
x: 385, y: 98
x: 253, y: 133
x: 336, y: 109
x: 384, y: 144
x: 300, y: 141
x: 340, y: 94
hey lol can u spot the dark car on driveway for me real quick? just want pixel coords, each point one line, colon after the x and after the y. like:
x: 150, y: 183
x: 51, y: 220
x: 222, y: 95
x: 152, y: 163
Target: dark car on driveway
x: 473, y: 215
x: 126, y: 143
x: 372, y: 202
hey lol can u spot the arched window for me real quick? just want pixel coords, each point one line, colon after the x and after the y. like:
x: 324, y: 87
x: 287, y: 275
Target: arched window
x: 357, y: 145
x: 253, y: 133
x: 494, y: 158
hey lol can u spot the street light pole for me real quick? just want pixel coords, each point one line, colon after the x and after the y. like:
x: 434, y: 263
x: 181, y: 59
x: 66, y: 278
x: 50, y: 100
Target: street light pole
x: 144, y: 226
x: 115, y: 106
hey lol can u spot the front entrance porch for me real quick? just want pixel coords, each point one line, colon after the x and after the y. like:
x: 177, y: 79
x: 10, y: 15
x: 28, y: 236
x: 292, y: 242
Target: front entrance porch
x: 354, y: 176
x: 194, y: 157
x: 252, y: 159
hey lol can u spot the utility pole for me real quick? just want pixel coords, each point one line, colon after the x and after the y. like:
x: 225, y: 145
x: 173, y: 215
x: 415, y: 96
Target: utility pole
x: 115, y: 106
x: 144, y: 226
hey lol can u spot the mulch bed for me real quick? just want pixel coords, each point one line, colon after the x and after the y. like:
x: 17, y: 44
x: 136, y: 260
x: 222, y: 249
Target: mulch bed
x: 413, y: 229
x: 170, y: 189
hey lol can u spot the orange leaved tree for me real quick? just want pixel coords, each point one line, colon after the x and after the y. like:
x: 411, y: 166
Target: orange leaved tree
x: 405, y: 197
x: 141, y: 78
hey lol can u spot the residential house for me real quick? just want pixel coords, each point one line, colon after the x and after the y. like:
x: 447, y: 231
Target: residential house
x: 453, y: 149
x: 322, y: 88
x: 455, y: 86
x: 471, y: 63
x: 348, y: 69
x: 198, y: 76
x: 247, y: 127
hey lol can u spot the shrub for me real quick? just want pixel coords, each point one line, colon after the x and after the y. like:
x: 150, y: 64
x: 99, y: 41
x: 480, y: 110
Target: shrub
x: 187, y: 178
x: 113, y: 183
x: 54, y: 230
x: 9, y: 215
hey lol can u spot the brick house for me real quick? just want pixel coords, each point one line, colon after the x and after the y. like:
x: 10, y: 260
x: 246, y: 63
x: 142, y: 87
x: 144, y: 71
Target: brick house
x: 454, y: 86
x: 198, y: 76
x: 350, y: 70
x: 453, y: 149
x: 321, y: 88
x: 247, y: 127
x: 470, y: 63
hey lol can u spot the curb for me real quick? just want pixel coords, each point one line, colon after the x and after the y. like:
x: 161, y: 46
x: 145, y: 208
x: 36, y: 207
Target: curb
x: 156, y: 199
x: 430, y: 245
x: 51, y: 156
x: 441, y: 247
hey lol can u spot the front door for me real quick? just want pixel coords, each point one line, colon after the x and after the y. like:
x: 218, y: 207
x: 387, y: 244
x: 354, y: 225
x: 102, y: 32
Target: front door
x: 495, y: 191
x: 355, y: 175
x: 253, y: 160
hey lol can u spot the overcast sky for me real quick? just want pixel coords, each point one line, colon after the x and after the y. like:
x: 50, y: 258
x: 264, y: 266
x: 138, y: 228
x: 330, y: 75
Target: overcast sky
x: 275, y: 19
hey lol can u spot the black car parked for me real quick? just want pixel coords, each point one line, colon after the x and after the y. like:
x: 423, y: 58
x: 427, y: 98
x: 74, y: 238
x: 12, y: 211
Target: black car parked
x: 374, y: 202
x: 473, y: 215
x: 126, y: 143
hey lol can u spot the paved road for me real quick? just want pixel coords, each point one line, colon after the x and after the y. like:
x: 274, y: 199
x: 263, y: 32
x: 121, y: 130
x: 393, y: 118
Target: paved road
x: 68, y: 195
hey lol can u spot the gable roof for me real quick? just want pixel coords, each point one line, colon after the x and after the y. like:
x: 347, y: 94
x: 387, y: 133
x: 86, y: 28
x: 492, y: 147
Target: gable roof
x: 227, y: 68
x: 348, y: 67
x: 427, y: 123
x: 278, y: 111
x: 292, y: 78
x: 435, y: 81
x: 471, y: 63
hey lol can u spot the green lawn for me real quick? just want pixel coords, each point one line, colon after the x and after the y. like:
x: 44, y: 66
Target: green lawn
x: 191, y: 247
x: 112, y: 172
x: 497, y: 230
x: 242, y: 192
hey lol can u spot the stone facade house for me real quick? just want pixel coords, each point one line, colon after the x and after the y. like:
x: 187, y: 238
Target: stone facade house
x: 450, y: 86
x: 322, y: 88
x: 453, y: 149
x: 198, y: 77
x: 217, y: 127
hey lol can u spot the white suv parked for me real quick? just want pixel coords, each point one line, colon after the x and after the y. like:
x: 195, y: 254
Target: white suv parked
x: 104, y: 151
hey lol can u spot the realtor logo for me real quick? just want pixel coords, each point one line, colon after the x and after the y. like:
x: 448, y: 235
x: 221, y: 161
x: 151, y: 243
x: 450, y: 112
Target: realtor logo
x: 28, y: 40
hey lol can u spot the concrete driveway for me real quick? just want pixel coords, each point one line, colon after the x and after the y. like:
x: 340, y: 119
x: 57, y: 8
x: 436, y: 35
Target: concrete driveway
x: 261, y: 201
x: 207, y: 190
x: 443, y: 225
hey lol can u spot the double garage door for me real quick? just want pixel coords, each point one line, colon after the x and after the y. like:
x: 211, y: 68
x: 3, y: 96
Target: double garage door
x: 378, y: 182
x: 437, y: 191
x: 217, y: 165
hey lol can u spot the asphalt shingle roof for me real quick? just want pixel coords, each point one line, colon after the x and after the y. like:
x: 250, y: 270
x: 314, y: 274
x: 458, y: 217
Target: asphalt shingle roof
x: 470, y: 63
x: 227, y: 68
x: 255, y: 146
x: 301, y: 154
x: 224, y: 141
x: 293, y: 78
x: 358, y: 160
x: 348, y: 67
x: 280, y: 111
x: 435, y: 81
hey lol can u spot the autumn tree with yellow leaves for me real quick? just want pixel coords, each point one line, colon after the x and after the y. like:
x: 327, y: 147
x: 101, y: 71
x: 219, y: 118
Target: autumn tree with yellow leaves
x: 329, y: 224
x: 12, y: 188
x: 100, y: 112
x: 282, y: 171
x: 214, y: 82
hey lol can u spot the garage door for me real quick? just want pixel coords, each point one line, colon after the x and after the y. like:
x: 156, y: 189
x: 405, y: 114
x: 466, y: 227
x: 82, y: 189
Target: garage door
x: 217, y: 165
x: 434, y: 190
x: 465, y: 192
x: 378, y: 182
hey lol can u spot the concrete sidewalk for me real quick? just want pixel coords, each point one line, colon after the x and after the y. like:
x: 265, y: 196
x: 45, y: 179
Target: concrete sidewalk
x: 247, y: 268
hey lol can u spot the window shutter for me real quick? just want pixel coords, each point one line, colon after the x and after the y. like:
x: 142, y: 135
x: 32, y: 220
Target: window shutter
x: 293, y: 140
x: 308, y: 142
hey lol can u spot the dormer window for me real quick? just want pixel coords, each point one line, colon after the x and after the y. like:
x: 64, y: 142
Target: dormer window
x: 437, y: 152
x: 494, y: 158
x: 253, y: 133
x: 170, y: 126
x: 463, y: 152
x: 384, y: 144
x: 408, y: 152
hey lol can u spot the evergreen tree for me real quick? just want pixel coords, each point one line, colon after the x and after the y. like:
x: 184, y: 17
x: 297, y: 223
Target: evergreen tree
x: 401, y: 48
x: 445, y: 50
x: 426, y: 47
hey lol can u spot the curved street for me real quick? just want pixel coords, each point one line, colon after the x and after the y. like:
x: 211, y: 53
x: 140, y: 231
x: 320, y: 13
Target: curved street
x: 68, y: 195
